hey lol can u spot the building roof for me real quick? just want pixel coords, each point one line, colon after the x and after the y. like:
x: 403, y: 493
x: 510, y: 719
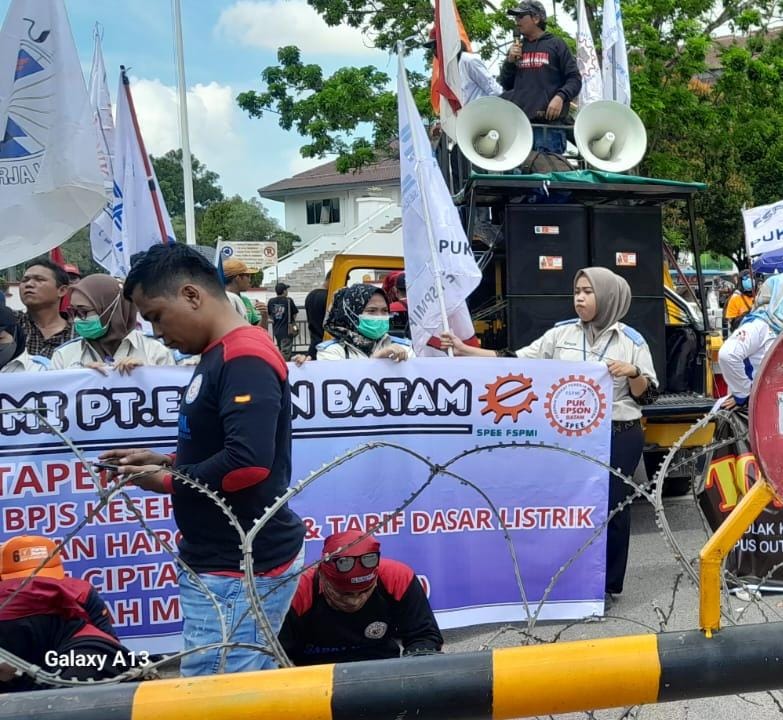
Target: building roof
x: 386, y: 172
x: 713, y: 59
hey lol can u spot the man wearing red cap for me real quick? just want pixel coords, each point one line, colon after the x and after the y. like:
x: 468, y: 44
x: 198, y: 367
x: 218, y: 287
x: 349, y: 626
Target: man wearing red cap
x: 356, y: 605
x: 56, y: 622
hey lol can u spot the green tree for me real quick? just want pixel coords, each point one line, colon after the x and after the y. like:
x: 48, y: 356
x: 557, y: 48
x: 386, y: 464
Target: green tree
x: 206, y: 188
x: 237, y: 219
x: 723, y: 128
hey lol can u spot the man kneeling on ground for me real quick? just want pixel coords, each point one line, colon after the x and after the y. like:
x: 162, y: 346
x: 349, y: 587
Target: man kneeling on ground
x: 356, y: 605
x: 53, y: 621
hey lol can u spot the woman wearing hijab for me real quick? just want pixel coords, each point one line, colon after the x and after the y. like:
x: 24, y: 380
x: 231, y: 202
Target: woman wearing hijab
x: 740, y: 302
x: 743, y: 351
x: 601, y: 300
x: 359, y: 323
x: 13, y: 355
x: 106, y: 324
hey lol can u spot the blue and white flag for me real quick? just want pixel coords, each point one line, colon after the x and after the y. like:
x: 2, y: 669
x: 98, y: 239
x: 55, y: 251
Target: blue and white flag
x: 438, y: 256
x: 106, y: 254
x: 587, y: 60
x: 50, y: 181
x: 140, y: 218
x: 617, y: 80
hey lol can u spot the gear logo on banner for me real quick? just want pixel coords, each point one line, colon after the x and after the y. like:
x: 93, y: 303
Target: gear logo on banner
x: 575, y: 405
x: 505, y: 391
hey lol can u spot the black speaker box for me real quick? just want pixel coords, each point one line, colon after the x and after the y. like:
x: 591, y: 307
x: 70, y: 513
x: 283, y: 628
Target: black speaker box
x: 545, y: 246
x: 629, y: 241
x: 530, y: 316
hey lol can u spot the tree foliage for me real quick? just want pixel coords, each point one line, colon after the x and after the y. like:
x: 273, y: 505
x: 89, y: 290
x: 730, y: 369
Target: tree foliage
x: 722, y: 124
x: 206, y: 187
x: 237, y: 219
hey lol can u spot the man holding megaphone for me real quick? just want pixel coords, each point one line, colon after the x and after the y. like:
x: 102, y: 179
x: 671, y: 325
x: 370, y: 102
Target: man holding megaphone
x: 540, y: 76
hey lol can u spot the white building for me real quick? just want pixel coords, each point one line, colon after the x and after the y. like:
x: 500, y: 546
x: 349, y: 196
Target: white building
x: 333, y: 212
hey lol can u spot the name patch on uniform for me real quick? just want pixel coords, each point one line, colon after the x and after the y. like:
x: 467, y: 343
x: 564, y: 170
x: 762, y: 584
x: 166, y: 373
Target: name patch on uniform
x: 242, y: 399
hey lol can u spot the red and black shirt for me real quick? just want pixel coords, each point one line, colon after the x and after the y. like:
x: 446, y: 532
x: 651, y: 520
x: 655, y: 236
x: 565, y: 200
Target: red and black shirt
x: 235, y: 437
x: 396, y: 612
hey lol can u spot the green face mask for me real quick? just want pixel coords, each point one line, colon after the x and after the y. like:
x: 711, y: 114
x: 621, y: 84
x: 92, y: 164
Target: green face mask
x: 90, y: 328
x: 373, y: 326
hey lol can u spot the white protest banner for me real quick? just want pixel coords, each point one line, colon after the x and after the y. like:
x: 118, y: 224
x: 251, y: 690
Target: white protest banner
x: 50, y: 181
x: 551, y: 502
x: 256, y: 255
x: 763, y: 228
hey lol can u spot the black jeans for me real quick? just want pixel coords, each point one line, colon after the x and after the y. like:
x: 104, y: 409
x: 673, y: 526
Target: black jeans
x: 626, y: 450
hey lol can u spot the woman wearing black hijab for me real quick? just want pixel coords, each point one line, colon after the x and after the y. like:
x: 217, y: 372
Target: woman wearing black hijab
x: 13, y: 356
x: 359, y: 323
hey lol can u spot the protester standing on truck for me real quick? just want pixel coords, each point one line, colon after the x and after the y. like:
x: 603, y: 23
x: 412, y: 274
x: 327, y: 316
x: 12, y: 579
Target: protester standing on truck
x: 601, y: 300
x: 540, y: 75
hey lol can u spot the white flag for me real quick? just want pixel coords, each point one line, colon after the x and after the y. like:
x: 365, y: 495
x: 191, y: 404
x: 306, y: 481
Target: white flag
x: 617, y: 80
x: 763, y: 229
x: 107, y: 255
x: 50, y: 182
x: 587, y: 60
x: 437, y: 252
x: 136, y: 219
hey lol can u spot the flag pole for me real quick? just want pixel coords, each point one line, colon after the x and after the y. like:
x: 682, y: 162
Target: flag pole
x: 164, y: 238
x: 437, y: 271
x: 184, y: 135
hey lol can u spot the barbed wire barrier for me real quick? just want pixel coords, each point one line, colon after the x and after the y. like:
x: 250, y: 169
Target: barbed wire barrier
x: 684, y: 561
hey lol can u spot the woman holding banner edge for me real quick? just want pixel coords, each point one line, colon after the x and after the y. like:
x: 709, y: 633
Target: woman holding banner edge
x: 601, y: 300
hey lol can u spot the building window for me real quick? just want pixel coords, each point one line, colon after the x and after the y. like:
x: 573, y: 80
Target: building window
x: 323, y: 211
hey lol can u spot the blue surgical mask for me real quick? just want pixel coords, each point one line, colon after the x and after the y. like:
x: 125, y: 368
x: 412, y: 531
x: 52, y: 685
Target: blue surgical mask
x: 747, y: 284
x: 373, y: 327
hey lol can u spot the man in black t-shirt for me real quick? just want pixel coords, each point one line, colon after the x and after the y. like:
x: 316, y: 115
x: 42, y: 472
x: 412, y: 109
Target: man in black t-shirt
x: 357, y: 606
x: 282, y: 310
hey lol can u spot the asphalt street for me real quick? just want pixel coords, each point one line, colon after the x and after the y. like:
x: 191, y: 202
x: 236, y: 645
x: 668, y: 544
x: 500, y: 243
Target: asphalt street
x: 658, y: 596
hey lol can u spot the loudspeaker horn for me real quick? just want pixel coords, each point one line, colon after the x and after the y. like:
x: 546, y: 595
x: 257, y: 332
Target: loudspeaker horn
x: 494, y: 134
x: 610, y: 136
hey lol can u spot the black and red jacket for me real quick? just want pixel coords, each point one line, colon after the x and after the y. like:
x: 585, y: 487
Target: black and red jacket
x: 235, y: 437
x: 51, y: 614
x: 396, y: 612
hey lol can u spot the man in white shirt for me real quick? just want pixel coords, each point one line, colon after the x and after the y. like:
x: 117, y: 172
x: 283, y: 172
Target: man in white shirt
x: 13, y: 356
x: 475, y: 80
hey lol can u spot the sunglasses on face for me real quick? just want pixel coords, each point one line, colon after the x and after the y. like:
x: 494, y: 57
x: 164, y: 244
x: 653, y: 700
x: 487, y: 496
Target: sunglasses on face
x: 368, y: 560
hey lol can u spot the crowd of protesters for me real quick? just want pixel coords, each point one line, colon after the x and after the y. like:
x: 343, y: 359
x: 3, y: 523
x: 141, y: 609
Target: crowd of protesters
x: 234, y: 435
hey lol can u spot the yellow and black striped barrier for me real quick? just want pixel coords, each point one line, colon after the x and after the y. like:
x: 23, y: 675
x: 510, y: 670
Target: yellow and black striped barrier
x: 504, y: 683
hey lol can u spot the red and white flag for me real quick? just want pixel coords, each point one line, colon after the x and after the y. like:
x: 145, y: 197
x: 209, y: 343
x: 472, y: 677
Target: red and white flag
x: 445, y: 87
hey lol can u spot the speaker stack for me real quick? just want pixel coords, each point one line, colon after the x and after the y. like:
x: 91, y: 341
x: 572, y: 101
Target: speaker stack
x: 547, y: 244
